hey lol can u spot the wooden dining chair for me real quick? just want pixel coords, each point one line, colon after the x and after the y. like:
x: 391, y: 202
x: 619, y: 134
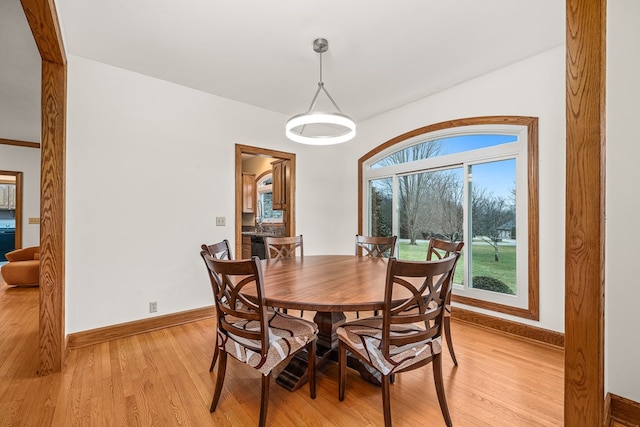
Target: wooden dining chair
x: 376, y: 246
x: 219, y: 250
x: 284, y: 247
x: 439, y: 249
x: 409, y: 333
x: 380, y: 247
x: 249, y: 332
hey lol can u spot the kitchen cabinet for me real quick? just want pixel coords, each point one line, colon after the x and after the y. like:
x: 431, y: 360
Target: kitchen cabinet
x: 280, y: 173
x: 8, y: 196
x: 248, y: 193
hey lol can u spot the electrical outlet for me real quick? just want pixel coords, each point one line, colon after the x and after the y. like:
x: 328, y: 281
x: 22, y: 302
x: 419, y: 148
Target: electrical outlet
x: 221, y: 221
x: 153, y: 306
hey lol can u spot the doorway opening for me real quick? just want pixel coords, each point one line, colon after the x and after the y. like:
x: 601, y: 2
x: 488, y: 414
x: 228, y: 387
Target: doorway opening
x: 10, y: 212
x: 282, y: 167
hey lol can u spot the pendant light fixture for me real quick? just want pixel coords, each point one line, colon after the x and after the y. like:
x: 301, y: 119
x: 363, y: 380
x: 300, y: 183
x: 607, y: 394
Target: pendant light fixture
x: 318, y: 127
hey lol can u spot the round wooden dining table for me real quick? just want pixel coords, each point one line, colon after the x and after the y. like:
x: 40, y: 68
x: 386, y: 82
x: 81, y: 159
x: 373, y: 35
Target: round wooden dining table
x: 325, y: 283
x: 328, y: 285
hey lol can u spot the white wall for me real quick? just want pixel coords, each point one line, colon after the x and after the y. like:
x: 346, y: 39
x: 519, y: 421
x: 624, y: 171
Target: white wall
x: 26, y: 160
x: 622, y: 292
x: 150, y: 164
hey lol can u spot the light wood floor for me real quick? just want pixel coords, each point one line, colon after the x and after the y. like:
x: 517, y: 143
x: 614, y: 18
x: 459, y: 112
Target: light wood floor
x: 162, y: 378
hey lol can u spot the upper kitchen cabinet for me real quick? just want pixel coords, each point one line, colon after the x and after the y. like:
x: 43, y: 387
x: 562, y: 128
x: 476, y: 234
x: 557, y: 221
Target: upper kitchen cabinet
x: 8, y: 196
x: 248, y: 193
x: 280, y: 173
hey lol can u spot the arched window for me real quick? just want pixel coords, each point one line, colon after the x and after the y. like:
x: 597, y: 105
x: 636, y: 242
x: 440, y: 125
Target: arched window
x: 474, y: 180
x: 265, y: 200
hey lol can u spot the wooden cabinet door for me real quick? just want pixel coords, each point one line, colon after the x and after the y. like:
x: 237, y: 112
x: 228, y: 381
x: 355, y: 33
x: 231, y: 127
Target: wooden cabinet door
x: 248, y: 193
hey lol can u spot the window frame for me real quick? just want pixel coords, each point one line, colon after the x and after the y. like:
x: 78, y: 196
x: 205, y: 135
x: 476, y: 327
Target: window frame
x: 457, y: 127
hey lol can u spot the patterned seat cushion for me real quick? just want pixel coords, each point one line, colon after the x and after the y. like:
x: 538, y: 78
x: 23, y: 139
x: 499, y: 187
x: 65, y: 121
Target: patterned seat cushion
x: 287, y: 335
x: 365, y: 335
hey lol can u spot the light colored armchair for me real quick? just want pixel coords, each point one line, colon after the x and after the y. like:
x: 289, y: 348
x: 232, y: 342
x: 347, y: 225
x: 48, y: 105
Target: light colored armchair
x: 23, y: 268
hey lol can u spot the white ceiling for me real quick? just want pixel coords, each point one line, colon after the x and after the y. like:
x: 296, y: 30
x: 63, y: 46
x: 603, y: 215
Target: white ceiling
x: 382, y: 53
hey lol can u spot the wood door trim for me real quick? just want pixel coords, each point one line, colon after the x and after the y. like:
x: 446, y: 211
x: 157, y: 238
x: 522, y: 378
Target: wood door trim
x: 43, y: 21
x: 17, y: 143
x: 290, y: 216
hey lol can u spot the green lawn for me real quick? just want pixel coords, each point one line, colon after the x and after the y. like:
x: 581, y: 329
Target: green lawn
x: 483, y: 261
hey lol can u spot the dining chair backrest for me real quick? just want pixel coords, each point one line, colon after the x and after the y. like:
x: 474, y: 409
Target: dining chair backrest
x: 376, y: 246
x: 230, y: 280
x: 283, y: 247
x: 220, y: 250
x: 415, y: 292
x: 442, y: 248
x: 439, y: 249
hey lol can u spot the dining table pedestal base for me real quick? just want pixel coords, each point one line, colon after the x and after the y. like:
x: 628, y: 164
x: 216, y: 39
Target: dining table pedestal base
x: 294, y: 375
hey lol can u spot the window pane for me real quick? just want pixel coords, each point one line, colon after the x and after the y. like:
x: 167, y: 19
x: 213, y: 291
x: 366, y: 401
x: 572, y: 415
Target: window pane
x: 266, y: 200
x: 431, y: 205
x: 444, y: 146
x: 493, y: 224
x: 381, y: 214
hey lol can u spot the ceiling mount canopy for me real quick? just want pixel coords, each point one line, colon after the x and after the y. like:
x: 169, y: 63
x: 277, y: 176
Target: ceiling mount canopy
x: 322, y: 128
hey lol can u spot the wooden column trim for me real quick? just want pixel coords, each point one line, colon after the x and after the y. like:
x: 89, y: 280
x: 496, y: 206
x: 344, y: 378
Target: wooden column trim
x: 43, y: 21
x: 585, y: 209
x: 52, y: 215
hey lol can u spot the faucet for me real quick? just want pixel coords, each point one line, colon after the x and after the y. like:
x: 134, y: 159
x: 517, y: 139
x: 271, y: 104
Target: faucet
x: 259, y: 226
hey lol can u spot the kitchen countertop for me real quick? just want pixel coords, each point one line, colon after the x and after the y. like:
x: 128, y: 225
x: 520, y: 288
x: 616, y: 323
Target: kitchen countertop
x: 259, y: 233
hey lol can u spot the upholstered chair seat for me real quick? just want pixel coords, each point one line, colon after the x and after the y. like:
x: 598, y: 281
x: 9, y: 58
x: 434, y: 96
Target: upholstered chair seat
x: 365, y: 336
x: 287, y: 335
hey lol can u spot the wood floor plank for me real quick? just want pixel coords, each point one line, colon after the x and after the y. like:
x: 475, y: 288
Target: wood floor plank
x: 162, y: 378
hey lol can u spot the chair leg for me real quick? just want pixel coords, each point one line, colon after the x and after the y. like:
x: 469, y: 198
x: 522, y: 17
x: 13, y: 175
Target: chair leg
x: 264, y: 399
x: 342, y: 370
x: 215, y: 356
x: 386, y: 400
x: 222, y: 368
x: 311, y: 368
x: 437, y: 379
x: 447, y: 334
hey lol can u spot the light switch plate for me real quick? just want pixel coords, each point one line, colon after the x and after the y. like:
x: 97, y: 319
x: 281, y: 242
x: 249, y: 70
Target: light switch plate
x: 221, y: 221
x: 34, y: 220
